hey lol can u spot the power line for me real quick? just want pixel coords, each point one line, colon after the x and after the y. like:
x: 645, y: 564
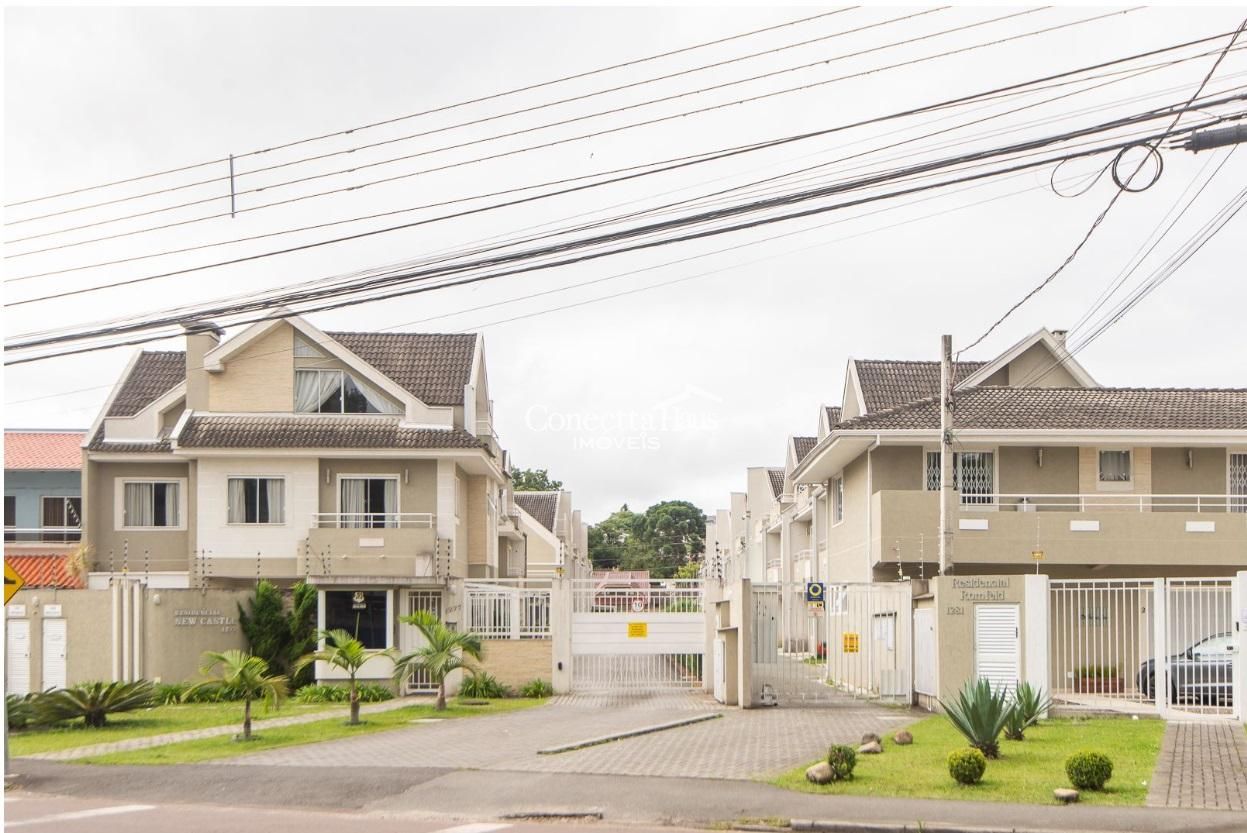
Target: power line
x: 439, y: 109
x: 508, y: 153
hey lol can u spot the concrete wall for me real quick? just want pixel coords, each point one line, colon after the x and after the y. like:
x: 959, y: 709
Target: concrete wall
x: 417, y: 481
x: 897, y: 467
x: 167, y: 549
x: 1021, y: 473
x: 1034, y: 360
x: 518, y: 661
x: 258, y: 379
x: 848, y: 551
x: 245, y: 541
x: 1206, y: 475
x: 1141, y: 473
x: 956, y: 598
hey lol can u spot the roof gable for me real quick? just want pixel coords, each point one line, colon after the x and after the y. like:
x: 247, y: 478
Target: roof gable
x: 1049, y: 358
x: 542, y: 506
x: 433, y: 367
x: 154, y: 373
x: 777, y: 481
x: 802, y: 446
x: 887, y: 383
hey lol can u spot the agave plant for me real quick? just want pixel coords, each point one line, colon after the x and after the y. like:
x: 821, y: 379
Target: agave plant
x: 93, y: 702
x: 444, y: 651
x: 980, y: 714
x: 1029, y: 704
x: 244, y: 674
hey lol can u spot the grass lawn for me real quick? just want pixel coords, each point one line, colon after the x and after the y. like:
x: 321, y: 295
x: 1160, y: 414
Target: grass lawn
x: 157, y: 720
x: 334, y: 728
x: 1027, y: 771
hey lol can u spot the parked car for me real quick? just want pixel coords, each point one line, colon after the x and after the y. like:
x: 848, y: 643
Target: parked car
x: 1203, y: 673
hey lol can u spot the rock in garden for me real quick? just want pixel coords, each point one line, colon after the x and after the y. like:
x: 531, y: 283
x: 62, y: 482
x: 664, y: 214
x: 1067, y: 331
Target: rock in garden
x: 871, y: 737
x: 903, y: 738
x: 820, y: 773
x: 872, y: 748
x: 1065, y: 795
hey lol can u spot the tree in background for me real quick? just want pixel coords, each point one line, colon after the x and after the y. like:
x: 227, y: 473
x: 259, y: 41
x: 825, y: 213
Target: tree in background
x: 534, y: 480
x: 301, y: 623
x: 664, y: 540
x: 278, y: 634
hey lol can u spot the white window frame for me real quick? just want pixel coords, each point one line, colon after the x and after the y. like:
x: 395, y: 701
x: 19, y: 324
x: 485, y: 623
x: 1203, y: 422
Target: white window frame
x: 837, y: 500
x: 994, y: 450
x: 1229, y: 495
x: 1114, y: 485
x: 398, y: 492
x: 285, y: 499
x: 119, y: 504
x: 343, y: 376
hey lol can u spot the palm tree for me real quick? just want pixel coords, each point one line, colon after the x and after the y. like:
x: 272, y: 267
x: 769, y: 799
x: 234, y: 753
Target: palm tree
x: 346, y: 652
x: 444, y: 651
x: 245, y: 676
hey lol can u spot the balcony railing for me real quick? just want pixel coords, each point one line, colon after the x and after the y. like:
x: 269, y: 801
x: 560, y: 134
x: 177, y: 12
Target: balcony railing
x: 803, y: 555
x: 1108, y: 500
x: 373, y: 520
x: 43, y: 535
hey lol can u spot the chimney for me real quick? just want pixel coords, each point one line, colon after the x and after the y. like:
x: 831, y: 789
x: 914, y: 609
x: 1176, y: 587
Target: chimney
x: 1059, y: 335
x: 201, y: 337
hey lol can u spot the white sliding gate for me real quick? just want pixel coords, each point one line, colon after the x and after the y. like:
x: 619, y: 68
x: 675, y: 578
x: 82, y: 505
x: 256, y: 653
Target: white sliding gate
x: 1166, y: 644
x: 859, y: 643
x: 639, y: 636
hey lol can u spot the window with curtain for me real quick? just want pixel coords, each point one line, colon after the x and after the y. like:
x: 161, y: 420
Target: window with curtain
x: 319, y: 391
x: 151, y: 504
x: 369, y: 502
x: 61, y: 512
x: 1115, y: 466
x: 361, y: 613
x: 257, y: 500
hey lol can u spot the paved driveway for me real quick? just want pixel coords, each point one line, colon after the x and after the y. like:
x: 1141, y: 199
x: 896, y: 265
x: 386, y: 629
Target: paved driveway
x: 739, y: 744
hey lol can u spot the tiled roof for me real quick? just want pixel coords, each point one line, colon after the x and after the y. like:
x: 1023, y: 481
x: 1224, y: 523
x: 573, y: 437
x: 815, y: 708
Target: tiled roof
x: 434, y: 367
x: 541, y: 505
x: 161, y: 446
x: 886, y: 383
x: 154, y: 374
x: 44, y: 570
x: 777, y: 481
x: 1090, y: 409
x: 803, y: 446
x: 43, y: 450
x: 315, y: 432
x: 833, y: 415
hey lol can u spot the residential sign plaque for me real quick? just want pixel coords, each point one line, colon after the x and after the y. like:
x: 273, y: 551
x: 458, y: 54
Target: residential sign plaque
x: 851, y: 642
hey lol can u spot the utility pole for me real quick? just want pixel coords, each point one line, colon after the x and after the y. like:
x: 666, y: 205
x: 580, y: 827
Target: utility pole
x: 946, y: 450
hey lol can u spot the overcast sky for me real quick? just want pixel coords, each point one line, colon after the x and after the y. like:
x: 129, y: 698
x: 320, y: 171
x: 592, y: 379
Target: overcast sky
x: 666, y: 393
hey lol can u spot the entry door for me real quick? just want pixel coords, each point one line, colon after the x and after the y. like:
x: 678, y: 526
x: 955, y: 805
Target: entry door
x: 17, y: 657
x: 996, y: 645
x: 430, y: 600
x: 54, y: 653
x: 924, y: 652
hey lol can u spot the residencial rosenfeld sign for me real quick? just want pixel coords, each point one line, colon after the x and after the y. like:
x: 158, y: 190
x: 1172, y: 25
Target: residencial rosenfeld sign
x: 204, y: 618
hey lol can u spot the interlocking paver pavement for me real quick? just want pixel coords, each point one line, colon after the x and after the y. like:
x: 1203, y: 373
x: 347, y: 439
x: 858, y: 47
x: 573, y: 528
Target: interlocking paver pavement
x: 215, y: 731
x: 1201, y: 766
x: 740, y: 744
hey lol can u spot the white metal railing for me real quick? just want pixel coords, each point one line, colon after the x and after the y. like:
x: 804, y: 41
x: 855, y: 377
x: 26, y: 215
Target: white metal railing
x: 803, y: 555
x: 1109, y: 500
x: 43, y: 534
x: 507, y: 610
x: 637, y: 596
x: 373, y: 520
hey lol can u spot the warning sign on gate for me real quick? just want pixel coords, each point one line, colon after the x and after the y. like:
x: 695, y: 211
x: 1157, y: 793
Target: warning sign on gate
x: 814, y: 592
x: 638, y: 630
x: 851, y: 642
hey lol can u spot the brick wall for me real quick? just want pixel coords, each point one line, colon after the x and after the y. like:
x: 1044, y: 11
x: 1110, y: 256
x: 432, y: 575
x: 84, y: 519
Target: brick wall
x: 517, y: 661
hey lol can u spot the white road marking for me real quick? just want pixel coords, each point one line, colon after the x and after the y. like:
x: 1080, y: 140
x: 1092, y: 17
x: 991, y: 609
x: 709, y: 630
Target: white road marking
x: 479, y: 827
x: 83, y: 814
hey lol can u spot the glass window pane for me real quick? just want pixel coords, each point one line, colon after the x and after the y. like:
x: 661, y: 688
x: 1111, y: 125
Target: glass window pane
x: 360, y: 613
x: 1114, y: 466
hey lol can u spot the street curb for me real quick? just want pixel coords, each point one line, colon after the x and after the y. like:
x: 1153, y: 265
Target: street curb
x: 826, y: 826
x: 631, y: 733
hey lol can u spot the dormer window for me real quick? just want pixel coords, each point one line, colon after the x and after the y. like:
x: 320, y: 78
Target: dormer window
x: 319, y: 391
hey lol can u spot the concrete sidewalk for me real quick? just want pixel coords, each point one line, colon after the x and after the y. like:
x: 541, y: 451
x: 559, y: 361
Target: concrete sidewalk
x: 476, y: 795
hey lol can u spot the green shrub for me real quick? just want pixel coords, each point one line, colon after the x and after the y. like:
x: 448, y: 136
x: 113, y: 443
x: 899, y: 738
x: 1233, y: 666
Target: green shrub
x: 19, y: 710
x: 967, y: 766
x: 482, y: 685
x: 1088, y: 770
x: 980, y: 714
x: 1029, y: 702
x: 169, y: 693
x: 536, y: 688
x: 321, y: 693
x: 374, y: 693
x: 93, y: 702
x: 842, y: 760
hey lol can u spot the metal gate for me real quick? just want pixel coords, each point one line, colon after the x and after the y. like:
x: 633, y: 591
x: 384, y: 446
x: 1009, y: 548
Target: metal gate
x: 637, y: 634
x: 858, y: 643
x: 1167, y: 645
x: 429, y: 600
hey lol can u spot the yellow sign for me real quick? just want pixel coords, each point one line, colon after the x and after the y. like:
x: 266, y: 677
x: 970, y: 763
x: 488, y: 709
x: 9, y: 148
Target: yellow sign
x: 1037, y: 555
x: 638, y: 630
x: 12, y: 582
x: 851, y: 642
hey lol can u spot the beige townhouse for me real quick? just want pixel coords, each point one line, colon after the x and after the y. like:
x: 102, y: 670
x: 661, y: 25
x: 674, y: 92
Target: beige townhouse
x: 556, y: 539
x: 363, y: 463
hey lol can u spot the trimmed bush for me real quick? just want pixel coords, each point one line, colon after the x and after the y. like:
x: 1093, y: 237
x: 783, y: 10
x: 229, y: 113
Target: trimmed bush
x: 321, y: 693
x: 481, y: 685
x: 1088, y: 770
x: 536, y: 688
x: 842, y: 759
x: 967, y: 766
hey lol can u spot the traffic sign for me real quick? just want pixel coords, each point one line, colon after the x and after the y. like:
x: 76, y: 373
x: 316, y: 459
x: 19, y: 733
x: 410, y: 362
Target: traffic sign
x: 12, y: 582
